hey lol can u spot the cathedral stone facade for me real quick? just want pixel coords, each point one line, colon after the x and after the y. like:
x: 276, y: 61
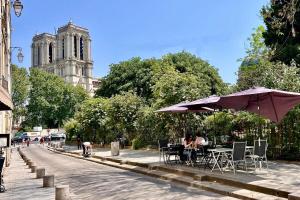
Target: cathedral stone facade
x: 67, y: 54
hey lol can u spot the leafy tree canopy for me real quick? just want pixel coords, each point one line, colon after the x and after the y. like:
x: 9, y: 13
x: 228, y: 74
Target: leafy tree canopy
x: 51, y: 101
x: 282, y: 20
x: 146, y: 78
x: 20, y: 90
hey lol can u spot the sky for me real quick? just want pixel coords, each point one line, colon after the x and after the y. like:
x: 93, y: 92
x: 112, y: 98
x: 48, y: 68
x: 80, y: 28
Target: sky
x: 214, y: 30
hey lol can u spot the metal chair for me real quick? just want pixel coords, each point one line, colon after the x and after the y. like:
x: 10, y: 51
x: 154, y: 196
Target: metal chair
x: 206, y: 156
x: 238, y: 155
x: 173, y: 150
x: 162, y: 147
x: 260, y: 153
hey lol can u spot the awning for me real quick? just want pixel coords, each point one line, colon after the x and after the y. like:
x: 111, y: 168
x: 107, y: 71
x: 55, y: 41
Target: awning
x: 5, y: 100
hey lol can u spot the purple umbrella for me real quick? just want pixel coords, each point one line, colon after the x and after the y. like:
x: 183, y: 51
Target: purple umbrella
x: 208, y: 102
x: 179, y: 108
x: 270, y: 103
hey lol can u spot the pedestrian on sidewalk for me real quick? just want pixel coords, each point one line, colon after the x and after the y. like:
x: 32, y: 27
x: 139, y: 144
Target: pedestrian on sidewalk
x: 42, y: 141
x: 79, y: 142
x: 28, y: 142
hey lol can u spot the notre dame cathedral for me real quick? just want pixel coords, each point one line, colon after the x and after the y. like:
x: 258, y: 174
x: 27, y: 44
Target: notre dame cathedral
x: 67, y: 54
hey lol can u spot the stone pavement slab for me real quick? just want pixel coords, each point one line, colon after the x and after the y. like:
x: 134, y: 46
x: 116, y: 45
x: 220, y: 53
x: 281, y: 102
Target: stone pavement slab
x: 21, y: 184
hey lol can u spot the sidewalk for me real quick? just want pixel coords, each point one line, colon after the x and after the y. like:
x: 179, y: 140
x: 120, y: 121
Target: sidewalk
x: 21, y: 184
x: 281, y: 175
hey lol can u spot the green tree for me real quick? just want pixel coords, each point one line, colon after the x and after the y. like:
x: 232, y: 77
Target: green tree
x: 20, y: 90
x: 72, y: 128
x: 51, y: 101
x: 282, y: 20
x: 257, y: 49
x: 174, y: 87
x: 189, y: 64
x: 141, y: 76
x: 123, y: 113
x: 132, y: 75
x: 92, y: 116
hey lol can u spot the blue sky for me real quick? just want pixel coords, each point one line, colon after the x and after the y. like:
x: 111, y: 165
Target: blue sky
x: 214, y: 30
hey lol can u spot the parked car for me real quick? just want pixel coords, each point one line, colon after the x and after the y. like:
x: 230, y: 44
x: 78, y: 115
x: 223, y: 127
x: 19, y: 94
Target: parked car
x: 19, y: 139
x: 57, y: 137
x: 36, y: 139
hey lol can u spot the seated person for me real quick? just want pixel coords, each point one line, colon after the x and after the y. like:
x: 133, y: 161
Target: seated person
x: 200, y: 141
x: 188, y: 142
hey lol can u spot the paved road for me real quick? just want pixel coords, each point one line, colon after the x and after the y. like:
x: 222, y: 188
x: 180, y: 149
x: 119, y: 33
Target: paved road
x: 93, y: 181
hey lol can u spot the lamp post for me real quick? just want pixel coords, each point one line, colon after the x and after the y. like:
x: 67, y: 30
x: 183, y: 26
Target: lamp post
x: 20, y: 55
x: 18, y: 7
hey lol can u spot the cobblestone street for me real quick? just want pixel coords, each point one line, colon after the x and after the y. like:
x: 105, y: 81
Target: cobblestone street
x: 89, y: 180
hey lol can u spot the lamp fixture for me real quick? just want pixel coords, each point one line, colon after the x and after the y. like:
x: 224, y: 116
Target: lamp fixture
x: 18, y: 7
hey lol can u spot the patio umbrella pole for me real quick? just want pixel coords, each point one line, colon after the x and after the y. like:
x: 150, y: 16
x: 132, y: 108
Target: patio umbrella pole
x: 259, y: 122
x: 215, y: 129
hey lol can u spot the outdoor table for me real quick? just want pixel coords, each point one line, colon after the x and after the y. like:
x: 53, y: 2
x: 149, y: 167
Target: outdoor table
x: 216, y: 154
x: 222, y: 152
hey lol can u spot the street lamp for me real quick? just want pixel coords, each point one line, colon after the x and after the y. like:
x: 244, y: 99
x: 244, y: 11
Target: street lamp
x: 20, y: 55
x: 18, y: 7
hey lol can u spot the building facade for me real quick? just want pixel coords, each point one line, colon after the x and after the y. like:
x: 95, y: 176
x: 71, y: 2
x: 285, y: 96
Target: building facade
x: 6, y: 104
x: 67, y: 54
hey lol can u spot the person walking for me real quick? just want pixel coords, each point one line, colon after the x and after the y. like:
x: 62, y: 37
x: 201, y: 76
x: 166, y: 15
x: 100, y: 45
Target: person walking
x: 79, y: 143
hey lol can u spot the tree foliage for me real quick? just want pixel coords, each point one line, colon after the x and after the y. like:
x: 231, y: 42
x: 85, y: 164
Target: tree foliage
x: 147, y: 78
x: 20, y: 90
x: 135, y: 89
x: 51, y: 101
x: 282, y: 19
x: 132, y: 75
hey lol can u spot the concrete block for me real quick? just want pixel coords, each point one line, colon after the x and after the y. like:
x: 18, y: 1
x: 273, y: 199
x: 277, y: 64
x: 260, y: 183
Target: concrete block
x: 40, y: 172
x: 62, y: 192
x: 48, y: 181
x: 28, y: 161
x: 33, y: 168
x: 31, y: 163
x: 115, y: 148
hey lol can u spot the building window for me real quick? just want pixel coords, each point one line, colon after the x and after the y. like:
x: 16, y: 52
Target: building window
x: 38, y: 55
x: 75, y: 46
x: 50, y: 53
x: 63, y: 48
x: 61, y: 72
x: 83, y: 71
x: 81, y: 48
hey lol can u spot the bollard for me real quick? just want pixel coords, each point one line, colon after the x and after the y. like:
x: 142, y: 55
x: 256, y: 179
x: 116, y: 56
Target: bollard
x: 40, y: 172
x: 31, y: 164
x: 33, y: 168
x: 48, y: 181
x: 62, y: 192
x: 28, y: 161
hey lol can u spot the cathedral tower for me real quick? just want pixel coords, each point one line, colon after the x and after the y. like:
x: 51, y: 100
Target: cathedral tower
x: 67, y: 54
